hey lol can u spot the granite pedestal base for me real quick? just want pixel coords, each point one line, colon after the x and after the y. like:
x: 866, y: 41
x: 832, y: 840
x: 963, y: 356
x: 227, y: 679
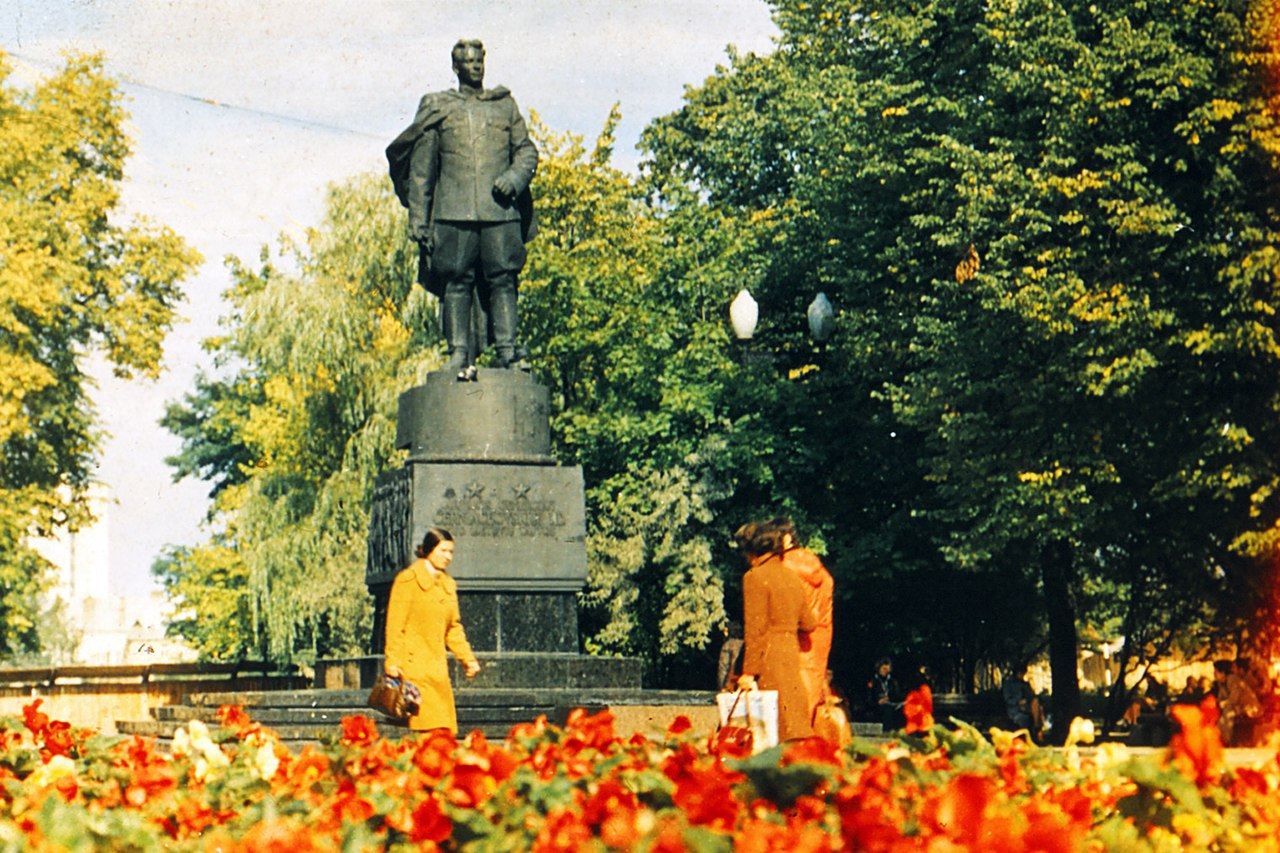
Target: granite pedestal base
x: 480, y: 466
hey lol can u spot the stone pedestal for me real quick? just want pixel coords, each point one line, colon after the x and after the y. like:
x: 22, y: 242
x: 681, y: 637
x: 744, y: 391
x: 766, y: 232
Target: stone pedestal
x: 480, y: 466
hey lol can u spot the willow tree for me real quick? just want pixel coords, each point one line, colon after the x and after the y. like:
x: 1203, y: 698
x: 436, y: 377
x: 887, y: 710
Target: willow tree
x: 291, y: 427
x: 75, y: 282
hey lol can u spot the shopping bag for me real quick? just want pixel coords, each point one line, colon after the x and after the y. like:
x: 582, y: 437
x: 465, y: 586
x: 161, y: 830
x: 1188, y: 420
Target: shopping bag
x: 395, y: 697
x: 754, y: 710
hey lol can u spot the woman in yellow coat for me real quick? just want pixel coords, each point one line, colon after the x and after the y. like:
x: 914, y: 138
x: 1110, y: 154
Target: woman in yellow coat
x: 422, y: 622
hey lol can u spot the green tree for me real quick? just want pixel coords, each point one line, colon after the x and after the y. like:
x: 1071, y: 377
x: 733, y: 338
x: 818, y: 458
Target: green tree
x: 74, y: 282
x: 1049, y: 227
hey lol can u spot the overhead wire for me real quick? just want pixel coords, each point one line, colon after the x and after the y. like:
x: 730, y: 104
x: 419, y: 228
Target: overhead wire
x: 129, y: 81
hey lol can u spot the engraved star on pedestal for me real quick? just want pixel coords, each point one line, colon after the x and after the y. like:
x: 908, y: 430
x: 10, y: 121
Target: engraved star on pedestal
x: 520, y: 491
x: 475, y: 491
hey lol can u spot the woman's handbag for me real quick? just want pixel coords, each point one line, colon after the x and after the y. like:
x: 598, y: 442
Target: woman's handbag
x: 753, y: 710
x: 395, y: 697
x: 831, y: 722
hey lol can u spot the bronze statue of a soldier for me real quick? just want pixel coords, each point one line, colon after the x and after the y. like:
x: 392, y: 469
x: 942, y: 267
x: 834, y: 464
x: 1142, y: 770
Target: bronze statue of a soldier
x: 463, y: 170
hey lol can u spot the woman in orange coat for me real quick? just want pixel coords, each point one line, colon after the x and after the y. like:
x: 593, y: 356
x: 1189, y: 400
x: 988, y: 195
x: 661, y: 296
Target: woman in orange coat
x: 422, y: 621
x: 815, y: 648
x: 775, y: 612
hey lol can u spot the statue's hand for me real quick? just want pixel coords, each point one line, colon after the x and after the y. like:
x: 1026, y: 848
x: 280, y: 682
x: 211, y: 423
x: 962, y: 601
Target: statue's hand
x: 504, y: 186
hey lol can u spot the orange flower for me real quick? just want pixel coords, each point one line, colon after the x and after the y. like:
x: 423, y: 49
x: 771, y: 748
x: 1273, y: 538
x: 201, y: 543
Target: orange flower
x: 308, y: 768
x: 763, y: 836
x: 191, y: 819
x: 919, y: 710
x: 1197, y: 747
x: 529, y: 730
x: 348, y: 806
x: 959, y: 809
x: 594, y: 730
x: 812, y: 750
x: 150, y: 773
x: 562, y: 832
x: 433, y: 755
x: 234, y: 717
x: 614, y: 809
x: 359, y: 730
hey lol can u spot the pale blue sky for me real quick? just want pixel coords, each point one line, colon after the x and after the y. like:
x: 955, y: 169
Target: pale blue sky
x: 243, y: 111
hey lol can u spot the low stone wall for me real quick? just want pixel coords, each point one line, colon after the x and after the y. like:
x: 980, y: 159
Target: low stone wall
x: 99, y: 705
x: 653, y: 720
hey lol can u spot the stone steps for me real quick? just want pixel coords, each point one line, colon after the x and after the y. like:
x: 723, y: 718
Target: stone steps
x: 311, y: 715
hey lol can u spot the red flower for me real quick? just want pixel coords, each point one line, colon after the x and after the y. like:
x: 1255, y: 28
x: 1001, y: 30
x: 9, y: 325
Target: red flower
x: 67, y: 787
x: 1197, y: 747
x: 234, y: 717
x: 471, y: 785
x: 359, y: 730
x: 35, y: 719
x: 870, y: 819
x: 919, y: 710
x: 430, y: 823
x: 58, y: 739
x: 679, y: 725
x: 705, y: 793
x: 348, y: 806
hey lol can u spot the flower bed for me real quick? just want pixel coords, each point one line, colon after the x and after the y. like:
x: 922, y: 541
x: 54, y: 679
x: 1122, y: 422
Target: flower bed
x: 236, y: 788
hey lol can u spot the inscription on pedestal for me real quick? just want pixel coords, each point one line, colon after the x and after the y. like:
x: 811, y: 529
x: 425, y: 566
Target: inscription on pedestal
x: 493, y: 511
x: 518, y: 528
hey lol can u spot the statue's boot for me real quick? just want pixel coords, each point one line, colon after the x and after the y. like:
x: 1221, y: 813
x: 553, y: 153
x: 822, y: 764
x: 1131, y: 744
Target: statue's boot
x: 502, y: 307
x: 457, y: 327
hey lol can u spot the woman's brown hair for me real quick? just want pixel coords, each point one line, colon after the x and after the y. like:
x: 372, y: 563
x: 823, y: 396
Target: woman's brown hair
x: 433, y: 537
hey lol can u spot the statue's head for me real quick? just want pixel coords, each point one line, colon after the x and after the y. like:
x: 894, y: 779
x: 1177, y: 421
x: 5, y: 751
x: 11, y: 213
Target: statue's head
x: 468, y: 62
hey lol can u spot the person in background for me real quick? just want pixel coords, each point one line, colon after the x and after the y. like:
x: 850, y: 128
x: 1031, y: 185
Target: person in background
x: 884, y: 698
x: 815, y: 647
x: 1238, y: 705
x: 422, y: 622
x: 1021, y: 703
x: 775, y: 612
x: 729, y: 666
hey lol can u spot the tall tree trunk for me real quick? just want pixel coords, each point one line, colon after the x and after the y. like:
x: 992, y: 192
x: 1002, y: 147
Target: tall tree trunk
x: 1056, y: 572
